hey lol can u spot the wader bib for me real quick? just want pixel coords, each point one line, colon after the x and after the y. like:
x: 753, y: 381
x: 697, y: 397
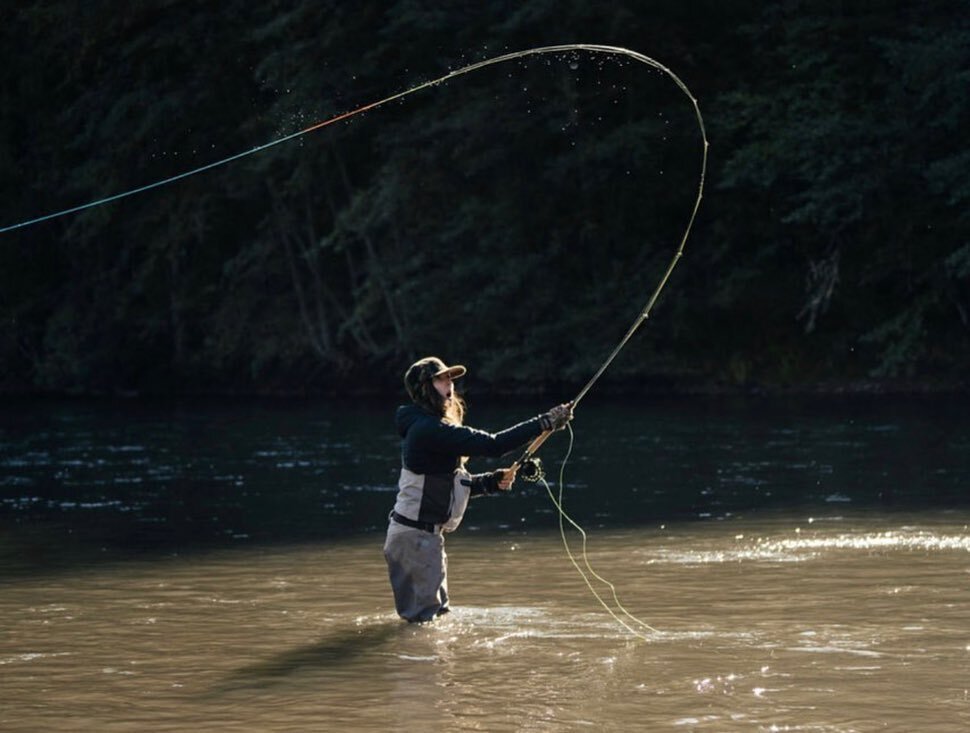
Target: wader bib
x: 427, y: 506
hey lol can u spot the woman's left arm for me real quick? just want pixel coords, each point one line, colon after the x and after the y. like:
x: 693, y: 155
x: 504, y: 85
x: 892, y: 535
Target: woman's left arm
x: 490, y: 482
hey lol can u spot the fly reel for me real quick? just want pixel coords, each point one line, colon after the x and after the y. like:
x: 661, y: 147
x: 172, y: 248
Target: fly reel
x: 531, y: 469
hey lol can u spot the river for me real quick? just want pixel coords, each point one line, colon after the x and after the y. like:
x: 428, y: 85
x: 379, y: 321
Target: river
x: 778, y: 565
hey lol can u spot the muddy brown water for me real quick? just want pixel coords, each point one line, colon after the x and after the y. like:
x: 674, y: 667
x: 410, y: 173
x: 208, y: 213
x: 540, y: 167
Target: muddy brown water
x: 849, y: 623
x: 121, y: 610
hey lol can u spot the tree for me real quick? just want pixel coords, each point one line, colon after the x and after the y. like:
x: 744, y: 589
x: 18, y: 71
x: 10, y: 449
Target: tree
x: 845, y: 145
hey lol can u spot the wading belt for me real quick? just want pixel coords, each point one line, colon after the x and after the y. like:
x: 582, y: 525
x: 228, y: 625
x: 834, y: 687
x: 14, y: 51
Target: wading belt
x: 426, y: 526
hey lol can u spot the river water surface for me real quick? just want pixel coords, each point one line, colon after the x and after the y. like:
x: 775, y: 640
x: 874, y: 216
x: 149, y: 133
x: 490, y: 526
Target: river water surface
x: 785, y: 566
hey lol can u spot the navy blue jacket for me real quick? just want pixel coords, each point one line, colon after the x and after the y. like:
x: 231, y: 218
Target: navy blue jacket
x: 431, y: 446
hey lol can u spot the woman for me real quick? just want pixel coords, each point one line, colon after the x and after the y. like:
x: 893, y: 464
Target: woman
x: 434, y: 487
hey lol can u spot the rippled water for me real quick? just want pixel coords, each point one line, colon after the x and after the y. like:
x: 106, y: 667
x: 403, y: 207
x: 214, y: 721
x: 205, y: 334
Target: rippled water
x: 842, y: 624
x: 221, y: 569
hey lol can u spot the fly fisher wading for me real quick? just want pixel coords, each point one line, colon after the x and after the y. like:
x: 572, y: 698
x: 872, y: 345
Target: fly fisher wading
x: 528, y: 463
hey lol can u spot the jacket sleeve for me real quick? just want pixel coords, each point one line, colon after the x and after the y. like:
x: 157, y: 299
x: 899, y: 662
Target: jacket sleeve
x: 480, y: 484
x: 461, y: 440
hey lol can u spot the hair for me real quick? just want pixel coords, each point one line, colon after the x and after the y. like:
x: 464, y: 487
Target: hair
x: 455, y: 414
x: 427, y: 397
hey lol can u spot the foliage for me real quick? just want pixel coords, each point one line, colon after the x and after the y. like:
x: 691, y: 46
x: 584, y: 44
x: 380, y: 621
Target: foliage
x: 517, y: 219
x: 854, y: 150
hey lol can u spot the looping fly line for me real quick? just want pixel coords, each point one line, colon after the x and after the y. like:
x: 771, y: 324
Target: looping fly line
x: 610, y: 50
x: 631, y: 623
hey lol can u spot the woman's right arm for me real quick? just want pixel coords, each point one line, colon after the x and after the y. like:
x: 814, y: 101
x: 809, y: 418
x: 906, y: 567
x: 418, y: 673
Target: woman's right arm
x: 461, y: 440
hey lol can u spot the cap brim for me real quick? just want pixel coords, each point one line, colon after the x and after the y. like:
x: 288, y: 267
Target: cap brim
x: 453, y: 372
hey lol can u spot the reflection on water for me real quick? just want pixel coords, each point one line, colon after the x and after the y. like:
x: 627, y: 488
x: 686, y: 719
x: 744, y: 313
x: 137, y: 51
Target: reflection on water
x: 806, y: 567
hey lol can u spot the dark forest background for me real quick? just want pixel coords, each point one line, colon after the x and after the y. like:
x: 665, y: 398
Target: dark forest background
x: 515, y: 219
